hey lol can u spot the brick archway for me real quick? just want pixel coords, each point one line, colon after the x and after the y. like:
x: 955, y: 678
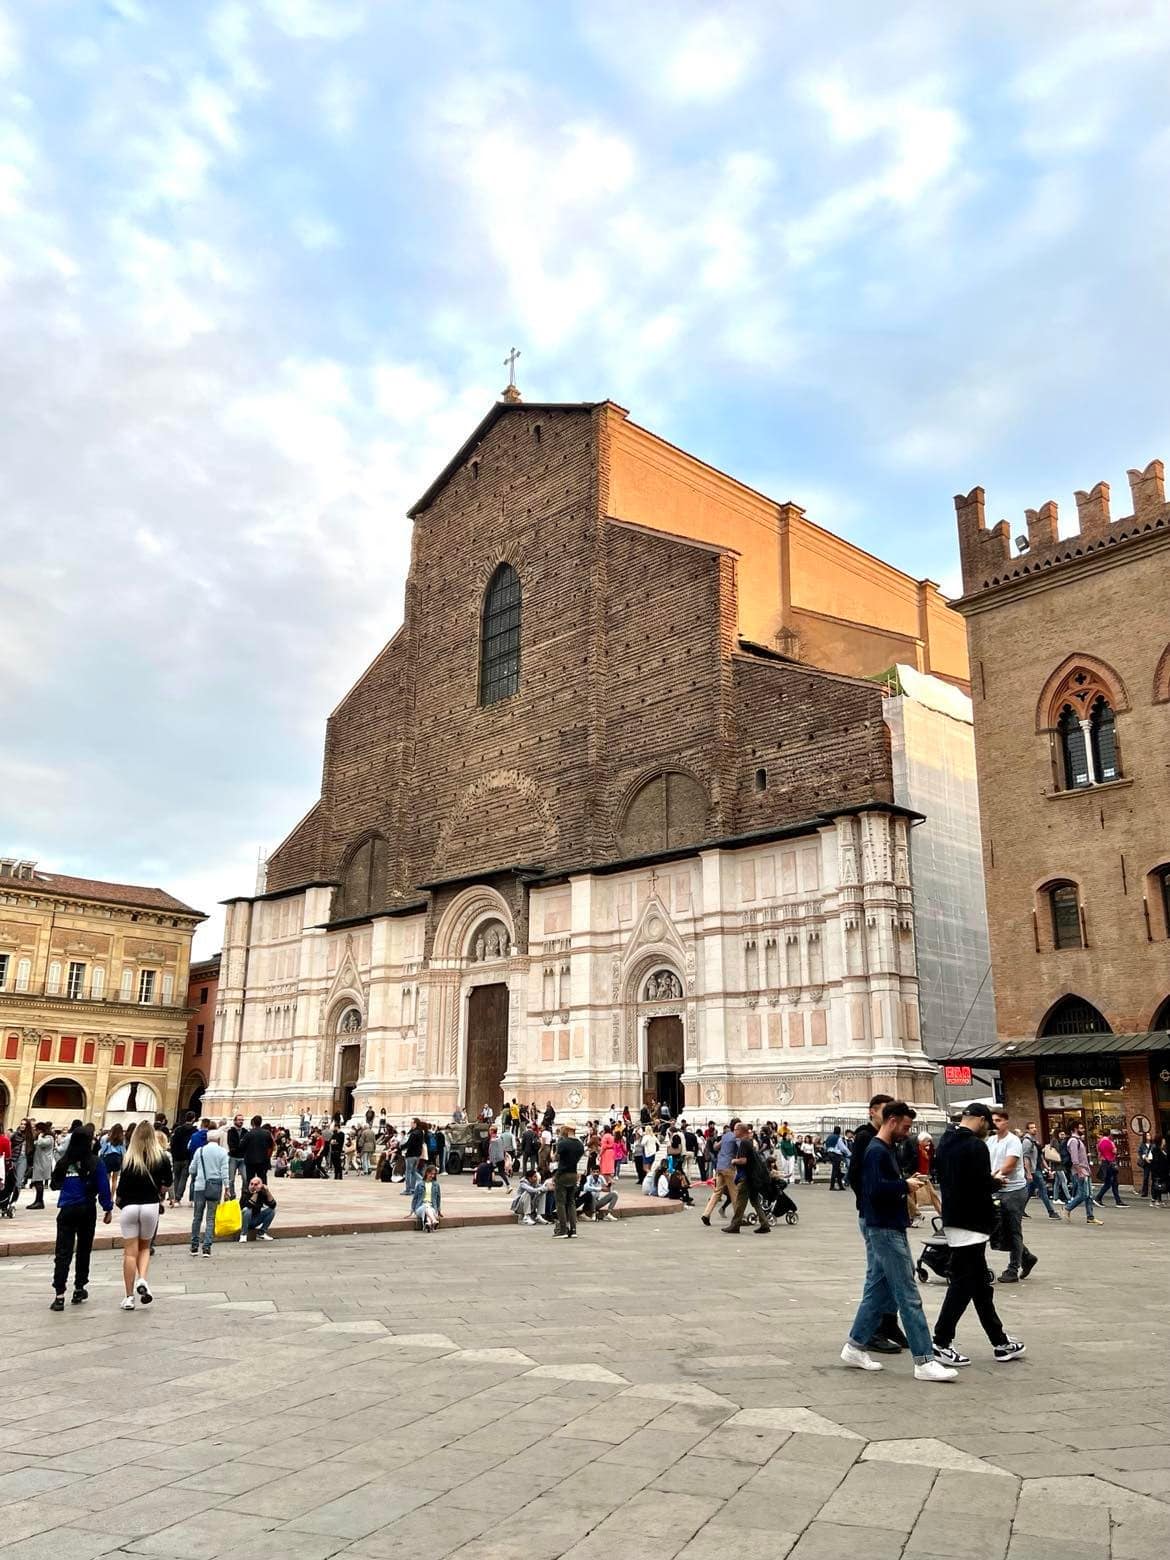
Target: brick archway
x: 1079, y: 680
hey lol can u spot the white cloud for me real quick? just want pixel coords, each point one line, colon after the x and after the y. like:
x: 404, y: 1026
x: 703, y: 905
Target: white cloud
x: 710, y: 60
x: 317, y: 18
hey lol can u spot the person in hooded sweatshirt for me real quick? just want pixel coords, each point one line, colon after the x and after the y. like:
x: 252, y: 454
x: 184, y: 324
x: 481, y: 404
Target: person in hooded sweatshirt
x: 81, y: 1181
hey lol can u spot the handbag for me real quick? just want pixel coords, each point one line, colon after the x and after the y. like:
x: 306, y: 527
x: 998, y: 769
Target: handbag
x: 228, y: 1219
x: 1051, y: 1155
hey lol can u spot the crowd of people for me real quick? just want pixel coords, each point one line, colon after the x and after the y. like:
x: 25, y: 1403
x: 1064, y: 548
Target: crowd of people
x: 979, y: 1178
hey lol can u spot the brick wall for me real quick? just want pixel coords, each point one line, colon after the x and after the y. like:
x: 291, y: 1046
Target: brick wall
x: 821, y: 740
x: 628, y: 668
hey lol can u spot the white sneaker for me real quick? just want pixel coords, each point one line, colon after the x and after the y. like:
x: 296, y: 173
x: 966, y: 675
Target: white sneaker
x: 243, y: 1238
x: 264, y: 1235
x: 540, y: 1219
x: 933, y: 1371
x: 852, y: 1355
x: 144, y: 1293
x: 528, y: 1220
x: 127, y: 1304
x: 611, y: 1217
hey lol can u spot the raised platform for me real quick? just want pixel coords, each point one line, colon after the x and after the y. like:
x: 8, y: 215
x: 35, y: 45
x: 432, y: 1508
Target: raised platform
x: 358, y: 1205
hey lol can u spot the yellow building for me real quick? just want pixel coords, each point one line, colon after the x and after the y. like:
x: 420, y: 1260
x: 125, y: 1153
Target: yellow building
x: 93, y: 997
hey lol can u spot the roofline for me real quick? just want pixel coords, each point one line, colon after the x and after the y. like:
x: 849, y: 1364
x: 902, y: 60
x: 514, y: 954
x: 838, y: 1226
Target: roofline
x: 280, y: 893
x: 673, y: 536
x: 1038, y: 1048
x: 785, y: 503
x: 752, y: 650
x: 519, y: 870
x: 415, y: 907
x: 498, y: 409
x: 36, y: 885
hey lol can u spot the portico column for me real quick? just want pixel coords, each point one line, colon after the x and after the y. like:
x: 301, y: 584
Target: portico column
x: 101, y: 1086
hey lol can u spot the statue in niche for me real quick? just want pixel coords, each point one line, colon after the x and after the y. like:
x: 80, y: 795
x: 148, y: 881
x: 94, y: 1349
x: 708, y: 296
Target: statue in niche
x: 479, y: 948
x: 351, y: 1022
x: 663, y: 986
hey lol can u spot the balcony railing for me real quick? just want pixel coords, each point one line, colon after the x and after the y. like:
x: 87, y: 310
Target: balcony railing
x: 14, y: 991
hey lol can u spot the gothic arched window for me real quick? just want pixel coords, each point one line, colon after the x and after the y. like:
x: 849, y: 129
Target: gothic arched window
x: 364, y: 880
x: 499, y: 653
x: 1074, y: 1016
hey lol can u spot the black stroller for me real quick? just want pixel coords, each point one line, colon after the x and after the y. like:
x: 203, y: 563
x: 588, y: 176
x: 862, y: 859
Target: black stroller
x: 934, y: 1260
x: 778, y: 1205
x: 9, y: 1190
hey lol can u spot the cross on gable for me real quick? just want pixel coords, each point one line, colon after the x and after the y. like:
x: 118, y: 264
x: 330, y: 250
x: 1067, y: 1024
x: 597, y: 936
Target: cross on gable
x: 510, y: 365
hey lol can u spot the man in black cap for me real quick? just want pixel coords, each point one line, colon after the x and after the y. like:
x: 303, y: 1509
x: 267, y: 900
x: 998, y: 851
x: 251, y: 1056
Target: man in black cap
x: 963, y: 1168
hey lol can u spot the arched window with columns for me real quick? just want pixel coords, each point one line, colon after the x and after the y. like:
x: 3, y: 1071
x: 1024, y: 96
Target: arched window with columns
x: 1078, y: 707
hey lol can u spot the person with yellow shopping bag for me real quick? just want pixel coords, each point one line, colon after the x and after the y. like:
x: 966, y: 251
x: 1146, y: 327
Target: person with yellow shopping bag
x: 209, y: 1176
x: 227, y: 1220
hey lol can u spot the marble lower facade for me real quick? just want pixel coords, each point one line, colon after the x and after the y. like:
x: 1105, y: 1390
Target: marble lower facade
x: 772, y: 977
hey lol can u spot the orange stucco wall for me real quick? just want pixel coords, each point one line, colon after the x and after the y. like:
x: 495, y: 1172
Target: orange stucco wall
x: 849, y: 611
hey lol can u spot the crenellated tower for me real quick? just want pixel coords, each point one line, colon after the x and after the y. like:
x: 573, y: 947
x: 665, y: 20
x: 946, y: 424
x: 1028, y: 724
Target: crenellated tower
x: 988, y: 560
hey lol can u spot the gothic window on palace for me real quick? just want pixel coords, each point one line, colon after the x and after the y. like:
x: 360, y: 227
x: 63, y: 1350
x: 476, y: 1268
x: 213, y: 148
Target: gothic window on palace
x: 499, y: 656
x: 1158, y: 901
x: 667, y: 810
x: 1162, y: 1016
x: 364, y: 879
x: 1072, y: 1015
x: 1083, y: 718
x: 1064, y: 903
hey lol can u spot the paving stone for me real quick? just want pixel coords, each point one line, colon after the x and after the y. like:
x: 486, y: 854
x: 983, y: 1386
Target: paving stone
x: 24, y: 1483
x: 364, y: 1510
x: 204, y: 1537
x: 55, y: 1543
x: 716, y: 1476
x: 427, y: 1533
x: 963, y: 1536
x: 956, y: 1493
x: 1025, y: 1546
x: 830, y: 1541
x: 881, y: 1495
x: 150, y: 1513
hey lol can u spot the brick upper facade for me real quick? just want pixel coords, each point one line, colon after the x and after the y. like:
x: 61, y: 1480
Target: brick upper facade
x: 634, y: 661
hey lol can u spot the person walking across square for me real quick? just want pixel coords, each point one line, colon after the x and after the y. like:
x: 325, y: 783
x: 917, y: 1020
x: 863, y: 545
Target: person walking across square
x: 890, y: 1271
x: 968, y: 1192
x: 1007, y: 1166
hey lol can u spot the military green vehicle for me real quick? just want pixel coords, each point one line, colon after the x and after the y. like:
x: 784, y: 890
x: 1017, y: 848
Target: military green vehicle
x: 464, y: 1141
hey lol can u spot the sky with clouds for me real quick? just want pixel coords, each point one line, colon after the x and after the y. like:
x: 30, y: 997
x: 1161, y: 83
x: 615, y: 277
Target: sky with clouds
x: 260, y: 262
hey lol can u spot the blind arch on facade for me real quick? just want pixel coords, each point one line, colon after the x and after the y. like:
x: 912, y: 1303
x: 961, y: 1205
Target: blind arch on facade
x: 499, y: 647
x: 1072, y: 1015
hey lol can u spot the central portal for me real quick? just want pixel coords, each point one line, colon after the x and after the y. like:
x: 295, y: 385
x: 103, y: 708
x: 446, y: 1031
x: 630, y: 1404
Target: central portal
x: 487, y: 1048
x: 664, y: 1063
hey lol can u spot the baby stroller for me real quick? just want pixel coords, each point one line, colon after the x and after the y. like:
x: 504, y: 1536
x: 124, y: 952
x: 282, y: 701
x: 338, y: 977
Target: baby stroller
x: 934, y: 1260
x: 778, y: 1205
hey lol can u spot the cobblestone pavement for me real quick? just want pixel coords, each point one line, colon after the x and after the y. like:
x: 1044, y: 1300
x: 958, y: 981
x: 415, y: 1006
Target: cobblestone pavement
x: 653, y: 1388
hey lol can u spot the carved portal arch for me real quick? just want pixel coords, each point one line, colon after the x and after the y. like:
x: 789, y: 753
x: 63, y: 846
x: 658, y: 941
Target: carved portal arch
x: 639, y: 1006
x: 475, y: 911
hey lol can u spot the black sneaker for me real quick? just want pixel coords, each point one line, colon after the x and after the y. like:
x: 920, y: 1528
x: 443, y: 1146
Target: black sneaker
x: 882, y: 1345
x: 703, y: 1219
x: 1013, y: 1349
x: 560, y: 1235
x: 1008, y: 1277
x: 58, y: 1303
x: 1028, y: 1264
x: 945, y: 1355
x: 80, y: 1296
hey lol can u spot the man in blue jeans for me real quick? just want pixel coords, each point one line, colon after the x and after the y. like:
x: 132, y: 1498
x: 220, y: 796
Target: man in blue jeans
x: 889, y: 1279
x: 1034, y: 1170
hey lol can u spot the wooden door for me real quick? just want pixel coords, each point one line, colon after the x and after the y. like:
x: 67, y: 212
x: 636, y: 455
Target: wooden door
x: 487, y: 1048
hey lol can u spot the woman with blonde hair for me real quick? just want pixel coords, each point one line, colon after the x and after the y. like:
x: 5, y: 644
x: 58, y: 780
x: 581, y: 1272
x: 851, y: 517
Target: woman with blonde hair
x: 146, y: 1174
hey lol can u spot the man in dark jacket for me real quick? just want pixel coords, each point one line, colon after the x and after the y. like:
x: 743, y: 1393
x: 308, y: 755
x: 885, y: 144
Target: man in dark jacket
x: 181, y: 1154
x: 884, y: 1196
x: 256, y: 1151
x: 750, y: 1184
x: 963, y: 1167
x: 889, y: 1338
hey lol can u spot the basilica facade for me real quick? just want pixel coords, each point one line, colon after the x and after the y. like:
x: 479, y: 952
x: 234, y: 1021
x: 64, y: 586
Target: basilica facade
x: 610, y: 818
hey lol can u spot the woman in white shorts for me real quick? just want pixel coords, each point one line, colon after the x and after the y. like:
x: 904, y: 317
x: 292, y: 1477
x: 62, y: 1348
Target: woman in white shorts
x: 146, y: 1174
